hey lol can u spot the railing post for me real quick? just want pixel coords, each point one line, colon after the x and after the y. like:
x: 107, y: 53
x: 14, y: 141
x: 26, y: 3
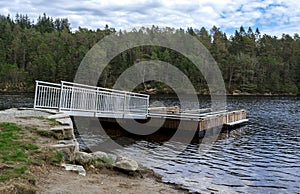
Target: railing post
x: 147, y: 106
x: 72, y: 100
x: 36, y: 93
x: 96, y: 102
x: 61, y: 96
x: 124, y: 104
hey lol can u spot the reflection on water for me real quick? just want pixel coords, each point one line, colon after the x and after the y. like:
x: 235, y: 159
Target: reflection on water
x: 262, y: 157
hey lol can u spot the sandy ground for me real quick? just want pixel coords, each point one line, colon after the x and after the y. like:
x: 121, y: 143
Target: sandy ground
x: 107, y: 181
x: 54, y: 179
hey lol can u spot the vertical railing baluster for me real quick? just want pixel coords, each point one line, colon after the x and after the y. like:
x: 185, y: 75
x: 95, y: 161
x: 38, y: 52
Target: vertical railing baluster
x: 96, y: 101
x: 61, y: 96
x: 35, y: 94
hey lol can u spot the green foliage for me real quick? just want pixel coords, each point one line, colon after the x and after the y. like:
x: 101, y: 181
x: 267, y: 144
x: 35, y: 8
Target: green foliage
x: 48, y: 50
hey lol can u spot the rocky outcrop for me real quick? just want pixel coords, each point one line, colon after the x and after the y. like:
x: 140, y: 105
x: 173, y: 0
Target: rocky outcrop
x: 126, y: 164
x: 99, y: 155
x: 76, y: 168
x: 67, y: 144
x: 70, y: 149
x: 83, y: 158
x: 64, y: 132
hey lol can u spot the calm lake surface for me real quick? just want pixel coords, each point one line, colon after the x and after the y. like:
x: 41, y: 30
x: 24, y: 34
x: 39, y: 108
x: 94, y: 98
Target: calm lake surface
x: 261, y: 157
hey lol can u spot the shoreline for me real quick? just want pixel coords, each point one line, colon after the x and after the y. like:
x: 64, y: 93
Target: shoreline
x: 170, y: 94
x: 50, y: 178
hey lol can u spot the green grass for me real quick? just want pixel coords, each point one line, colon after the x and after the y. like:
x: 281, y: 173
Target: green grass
x: 49, y: 134
x: 109, y: 161
x: 18, y: 155
x: 30, y: 147
x: 4, y: 177
x: 104, y: 162
x: 57, y: 157
x: 13, y: 151
x: 52, y: 121
x: 45, y: 133
x: 18, y: 152
x: 9, y: 127
x: 13, y: 172
x: 21, y: 169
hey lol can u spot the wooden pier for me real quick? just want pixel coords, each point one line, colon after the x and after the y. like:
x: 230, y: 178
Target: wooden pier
x: 108, y: 105
x: 226, y: 120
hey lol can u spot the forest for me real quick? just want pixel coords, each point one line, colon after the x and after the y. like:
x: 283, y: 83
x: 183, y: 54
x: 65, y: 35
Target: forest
x: 49, y: 50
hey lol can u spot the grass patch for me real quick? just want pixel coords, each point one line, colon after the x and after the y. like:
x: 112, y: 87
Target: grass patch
x: 17, y: 156
x: 57, y: 158
x: 49, y: 134
x: 109, y: 161
x: 5, y: 127
x: 18, y: 151
x: 52, y: 121
x: 30, y: 147
x: 13, y: 151
x: 46, y: 133
x: 104, y: 162
x: 21, y: 169
x: 4, y: 178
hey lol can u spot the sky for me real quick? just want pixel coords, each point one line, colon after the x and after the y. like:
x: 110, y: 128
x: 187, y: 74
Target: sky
x: 272, y: 17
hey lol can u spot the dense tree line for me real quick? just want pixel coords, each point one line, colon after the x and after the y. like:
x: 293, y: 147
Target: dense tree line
x: 48, y: 50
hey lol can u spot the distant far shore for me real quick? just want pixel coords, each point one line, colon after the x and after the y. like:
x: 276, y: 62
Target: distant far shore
x: 172, y: 93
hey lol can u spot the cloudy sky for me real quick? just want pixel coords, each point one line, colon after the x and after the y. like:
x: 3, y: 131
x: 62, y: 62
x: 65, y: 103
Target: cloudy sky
x: 273, y: 17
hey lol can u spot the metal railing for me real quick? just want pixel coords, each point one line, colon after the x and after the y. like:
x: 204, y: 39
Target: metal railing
x: 84, y: 100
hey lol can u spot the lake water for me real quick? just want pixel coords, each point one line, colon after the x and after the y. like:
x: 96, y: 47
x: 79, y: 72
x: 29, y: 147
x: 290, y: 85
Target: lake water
x: 15, y: 101
x: 261, y: 157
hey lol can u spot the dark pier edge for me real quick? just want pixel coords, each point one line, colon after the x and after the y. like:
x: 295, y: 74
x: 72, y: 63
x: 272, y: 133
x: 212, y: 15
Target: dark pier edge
x: 115, y: 131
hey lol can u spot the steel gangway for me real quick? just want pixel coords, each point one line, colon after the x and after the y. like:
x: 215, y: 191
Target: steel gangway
x: 77, y: 99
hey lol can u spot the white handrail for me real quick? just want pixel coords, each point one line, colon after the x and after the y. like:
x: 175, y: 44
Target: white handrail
x: 77, y: 99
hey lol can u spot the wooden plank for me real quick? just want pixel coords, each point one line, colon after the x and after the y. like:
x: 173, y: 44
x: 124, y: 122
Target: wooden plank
x: 237, y: 122
x: 171, y: 121
x: 203, y: 110
x: 172, y: 109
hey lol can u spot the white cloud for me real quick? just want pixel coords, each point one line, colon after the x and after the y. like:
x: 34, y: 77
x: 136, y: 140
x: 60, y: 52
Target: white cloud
x: 271, y: 16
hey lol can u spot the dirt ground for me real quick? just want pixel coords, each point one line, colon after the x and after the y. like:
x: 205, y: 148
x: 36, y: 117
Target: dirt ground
x: 107, y: 181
